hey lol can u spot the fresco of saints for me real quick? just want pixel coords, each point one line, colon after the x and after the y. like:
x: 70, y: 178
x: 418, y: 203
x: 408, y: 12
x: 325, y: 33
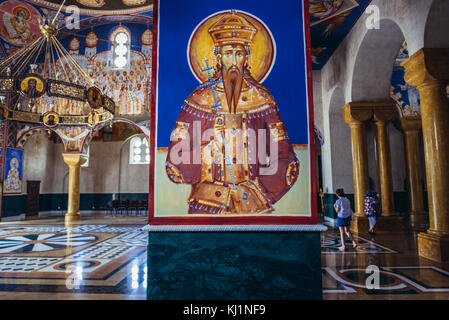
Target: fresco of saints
x: 230, y: 178
x: 13, y: 182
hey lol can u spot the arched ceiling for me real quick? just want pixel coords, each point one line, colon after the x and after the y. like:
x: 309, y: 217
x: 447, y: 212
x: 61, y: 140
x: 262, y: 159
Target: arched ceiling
x: 102, y: 6
x: 330, y: 22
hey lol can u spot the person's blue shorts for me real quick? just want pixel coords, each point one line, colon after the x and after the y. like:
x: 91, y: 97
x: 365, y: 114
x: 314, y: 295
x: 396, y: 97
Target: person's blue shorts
x: 343, y: 222
x: 372, y: 221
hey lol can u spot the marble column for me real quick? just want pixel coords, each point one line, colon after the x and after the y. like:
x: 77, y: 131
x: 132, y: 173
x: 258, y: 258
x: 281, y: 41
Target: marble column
x: 416, y: 217
x: 428, y: 70
x: 384, y: 113
x: 355, y: 116
x: 74, y: 161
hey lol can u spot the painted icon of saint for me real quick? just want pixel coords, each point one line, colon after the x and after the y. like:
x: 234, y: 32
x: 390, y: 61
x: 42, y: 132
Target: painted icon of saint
x: 13, y: 182
x: 227, y: 112
x: 16, y: 25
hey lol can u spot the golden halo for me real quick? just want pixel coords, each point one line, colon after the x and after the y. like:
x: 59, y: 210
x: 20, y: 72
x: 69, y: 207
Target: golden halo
x: 16, y: 10
x: 201, y: 47
x: 51, y: 122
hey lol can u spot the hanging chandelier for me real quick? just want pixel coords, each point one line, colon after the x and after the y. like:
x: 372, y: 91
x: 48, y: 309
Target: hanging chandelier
x: 43, y: 83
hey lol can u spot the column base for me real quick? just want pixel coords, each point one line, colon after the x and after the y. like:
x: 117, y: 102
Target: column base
x: 72, y: 217
x: 360, y: 224
x: 389, y: 224
x: 383, y: 224
x: 433, y: 247
x: 417, y: 221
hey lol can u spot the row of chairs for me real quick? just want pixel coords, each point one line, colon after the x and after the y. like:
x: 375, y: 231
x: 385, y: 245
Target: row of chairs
x: 126, y: 207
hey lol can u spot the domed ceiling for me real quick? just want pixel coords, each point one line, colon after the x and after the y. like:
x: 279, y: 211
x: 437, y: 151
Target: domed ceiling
x: 330, y: 20
x: 96, y: 6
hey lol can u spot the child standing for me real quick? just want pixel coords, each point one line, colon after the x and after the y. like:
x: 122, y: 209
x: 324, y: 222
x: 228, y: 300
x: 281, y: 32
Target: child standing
x: 344, y: 216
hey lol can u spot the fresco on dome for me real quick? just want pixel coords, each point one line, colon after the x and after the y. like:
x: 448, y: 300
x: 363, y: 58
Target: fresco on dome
x: 91, y: 47
x: 322, y: 10
x: 85, y: 5
x: 19, y: 22
x: 128, y: 85
x: 330, y: 22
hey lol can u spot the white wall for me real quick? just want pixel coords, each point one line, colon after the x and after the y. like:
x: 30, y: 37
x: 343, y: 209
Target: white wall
x: 38, y: 162
x: 43, y: 161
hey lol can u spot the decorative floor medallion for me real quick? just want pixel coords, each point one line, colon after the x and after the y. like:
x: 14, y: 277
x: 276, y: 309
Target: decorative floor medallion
x: 43, y: 242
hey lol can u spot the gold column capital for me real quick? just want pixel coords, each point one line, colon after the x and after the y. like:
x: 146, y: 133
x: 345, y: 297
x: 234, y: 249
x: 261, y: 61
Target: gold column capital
x: 427, y: 66
x: 384, y: 111
x: 356, y: 113
x: 74, y: 159
x: 410, y: 123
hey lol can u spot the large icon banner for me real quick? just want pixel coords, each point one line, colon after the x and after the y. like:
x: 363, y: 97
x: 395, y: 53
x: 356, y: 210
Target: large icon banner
x: 231, y: 114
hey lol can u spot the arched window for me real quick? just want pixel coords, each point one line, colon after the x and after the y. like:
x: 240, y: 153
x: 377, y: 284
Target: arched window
x: 121, y: 42
x: 139, y: 151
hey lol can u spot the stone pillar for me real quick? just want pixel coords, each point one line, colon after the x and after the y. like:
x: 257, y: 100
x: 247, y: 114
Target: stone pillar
x: 416, y: 218
x: 428, y: 70
x: 74, y: 161
x: 383, y: 114
x: 355, y: 116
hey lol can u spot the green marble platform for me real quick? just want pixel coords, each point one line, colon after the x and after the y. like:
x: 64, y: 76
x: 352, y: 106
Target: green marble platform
x: 236, y: 265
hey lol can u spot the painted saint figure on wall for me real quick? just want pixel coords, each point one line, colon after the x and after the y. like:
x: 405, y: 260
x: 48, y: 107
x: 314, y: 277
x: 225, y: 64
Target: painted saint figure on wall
x: 244, y: 162
x: 12, y: 182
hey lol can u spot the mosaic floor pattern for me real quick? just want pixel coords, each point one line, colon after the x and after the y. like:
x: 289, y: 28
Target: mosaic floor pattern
x: 106, y: 259
x: 89, y: 261
x: 384, y: 267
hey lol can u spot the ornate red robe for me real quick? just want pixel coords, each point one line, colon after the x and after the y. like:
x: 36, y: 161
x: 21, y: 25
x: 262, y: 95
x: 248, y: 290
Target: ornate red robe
x: 239, y: 185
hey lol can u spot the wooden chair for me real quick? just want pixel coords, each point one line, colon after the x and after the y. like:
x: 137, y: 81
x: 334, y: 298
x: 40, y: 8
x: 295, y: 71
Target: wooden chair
x: 133, y: 207
x: 112, y: 207
x: 123, y: 207
x: 144, y: 207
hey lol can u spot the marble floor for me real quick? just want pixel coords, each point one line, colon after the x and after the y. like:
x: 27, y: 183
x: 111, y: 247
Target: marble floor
x: 105, y: 258
x: 393, y: 257
x: 100, y: 258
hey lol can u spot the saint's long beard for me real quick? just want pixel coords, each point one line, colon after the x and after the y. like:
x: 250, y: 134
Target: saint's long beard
x: 232, y: 81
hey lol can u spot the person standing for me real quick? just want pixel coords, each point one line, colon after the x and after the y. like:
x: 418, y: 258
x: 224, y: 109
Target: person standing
x: 371, y: 208
x: 344, y: 216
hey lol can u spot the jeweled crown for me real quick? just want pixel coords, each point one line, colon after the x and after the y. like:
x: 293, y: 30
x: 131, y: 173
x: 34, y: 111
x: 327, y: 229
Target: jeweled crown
x: 232, y: 28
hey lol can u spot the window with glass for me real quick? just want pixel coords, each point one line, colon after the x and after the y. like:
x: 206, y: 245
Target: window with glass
x: 121, y: 48
x: 139, y: 151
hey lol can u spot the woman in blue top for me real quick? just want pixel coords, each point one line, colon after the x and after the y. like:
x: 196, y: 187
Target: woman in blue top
x: 344, y: 215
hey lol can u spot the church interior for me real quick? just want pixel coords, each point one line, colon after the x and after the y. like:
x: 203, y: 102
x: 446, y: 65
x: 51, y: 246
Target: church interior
x: 75, y: 172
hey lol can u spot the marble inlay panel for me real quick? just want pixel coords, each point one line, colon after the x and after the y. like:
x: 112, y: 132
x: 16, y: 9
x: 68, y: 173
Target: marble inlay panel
x: 234, y: 265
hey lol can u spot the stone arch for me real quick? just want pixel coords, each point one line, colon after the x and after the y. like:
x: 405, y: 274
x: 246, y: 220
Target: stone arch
x: 140, y: 128
x: 374, y: 62
x: 122, y: 181
x: 337, y: 157
x: 39, y: 159
x: 26, y: 135
x: 437, y: 25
